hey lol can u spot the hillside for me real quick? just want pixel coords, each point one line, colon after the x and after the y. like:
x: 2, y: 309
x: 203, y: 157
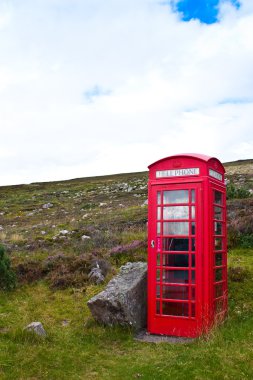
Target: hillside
x: 53, y: 231
x: 47, y: 218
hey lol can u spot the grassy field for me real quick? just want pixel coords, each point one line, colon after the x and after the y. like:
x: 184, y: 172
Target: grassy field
x: 46, y: 221
x: 77, y: 348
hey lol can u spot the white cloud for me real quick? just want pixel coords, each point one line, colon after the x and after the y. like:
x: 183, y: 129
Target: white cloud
x: 165, y: 87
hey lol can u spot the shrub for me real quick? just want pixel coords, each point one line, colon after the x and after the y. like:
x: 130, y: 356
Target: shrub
x: 7, y: 276
x: 246, y: 241
x: 234, y: 192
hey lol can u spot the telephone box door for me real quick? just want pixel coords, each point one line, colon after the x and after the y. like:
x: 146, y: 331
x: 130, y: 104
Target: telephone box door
x: 175, y: 259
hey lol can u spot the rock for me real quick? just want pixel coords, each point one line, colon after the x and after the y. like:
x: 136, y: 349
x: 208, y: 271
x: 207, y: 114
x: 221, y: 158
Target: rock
x: 102, y: 264
x: 1, y: 228
x: 43, y: 232
x: 37, y: 328
x: 63, y: 232
x: 47, y: 205
x: 124, y: 301
x: 95, y: 276
x: 144, y: 203
x: 84, y: 237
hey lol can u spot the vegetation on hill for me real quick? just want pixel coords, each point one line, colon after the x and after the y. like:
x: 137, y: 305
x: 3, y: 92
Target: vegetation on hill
x: 53, y: 231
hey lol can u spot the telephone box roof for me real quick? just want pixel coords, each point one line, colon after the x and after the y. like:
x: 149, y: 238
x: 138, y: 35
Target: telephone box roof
x: 201, y: 157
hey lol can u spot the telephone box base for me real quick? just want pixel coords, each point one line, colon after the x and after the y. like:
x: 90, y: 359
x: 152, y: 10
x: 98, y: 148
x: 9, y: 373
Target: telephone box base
x: 144, y: 336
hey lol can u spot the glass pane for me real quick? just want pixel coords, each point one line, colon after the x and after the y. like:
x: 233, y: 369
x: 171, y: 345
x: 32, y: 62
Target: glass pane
x: 218, y: 259
x: 193, y: 196
x: 158, y: 197
x: 176, y: 260
x: 218, y: 275
x: 193, y: 276
x: 158, y: 293
x: 176, y: 196
x: 193, y: 212
x: 176, y: 212
x: 158, y: 228
x: 218, y: 290
x: 158, y: 260
x: 193, y: 261
x: 193, y: 244
x: 176, y: 276
x: 171, y: 244
x: 217, y: 228
x: 176, y: 228
x: 218, y: 213
x: 158, y: 274
x: 175, y: 308
x: 193, y: 293
x: 176, y: 292
x: 218, y: 244
x: 157, y: 307
x: 217, y: 197
x: 158, y: 213
x: 193, y: 310
x: 193, y: 228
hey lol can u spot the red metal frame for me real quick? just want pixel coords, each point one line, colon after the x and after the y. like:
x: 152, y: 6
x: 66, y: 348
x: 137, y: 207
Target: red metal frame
x: 193, y: 306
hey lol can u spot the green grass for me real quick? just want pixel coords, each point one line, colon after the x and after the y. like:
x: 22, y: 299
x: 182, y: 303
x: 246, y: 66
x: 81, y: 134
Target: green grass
x: 76, y: 347
x: 84, y: 350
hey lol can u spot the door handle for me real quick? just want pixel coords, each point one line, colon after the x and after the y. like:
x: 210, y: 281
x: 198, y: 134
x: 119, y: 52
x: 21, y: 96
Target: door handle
x: 152, y: 244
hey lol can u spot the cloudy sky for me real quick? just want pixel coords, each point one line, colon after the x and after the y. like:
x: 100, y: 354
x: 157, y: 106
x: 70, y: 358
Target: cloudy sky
x: 94, y: 87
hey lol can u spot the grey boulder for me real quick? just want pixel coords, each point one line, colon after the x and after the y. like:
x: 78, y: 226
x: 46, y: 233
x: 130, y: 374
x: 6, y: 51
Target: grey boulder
x: 124, y: 301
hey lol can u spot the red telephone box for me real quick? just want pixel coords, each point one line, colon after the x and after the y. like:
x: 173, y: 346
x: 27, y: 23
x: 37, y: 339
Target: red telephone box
x: 187, y: 250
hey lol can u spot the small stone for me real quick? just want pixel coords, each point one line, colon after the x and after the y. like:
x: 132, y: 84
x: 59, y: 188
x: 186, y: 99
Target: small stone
x: 95, y: 276
x: 1, y: 228
x: 47, y: 205
x: 84, y: 237
x: 64, y: 232
x: 37, y: 328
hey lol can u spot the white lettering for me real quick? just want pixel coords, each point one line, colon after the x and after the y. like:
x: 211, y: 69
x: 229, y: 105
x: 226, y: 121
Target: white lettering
x: 177, y: 172
x: 215, y: 174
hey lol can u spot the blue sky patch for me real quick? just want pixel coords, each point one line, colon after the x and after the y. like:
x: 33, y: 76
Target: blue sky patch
x: 236, y: 101
x: 206, y: 11
x: 95, y: 92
